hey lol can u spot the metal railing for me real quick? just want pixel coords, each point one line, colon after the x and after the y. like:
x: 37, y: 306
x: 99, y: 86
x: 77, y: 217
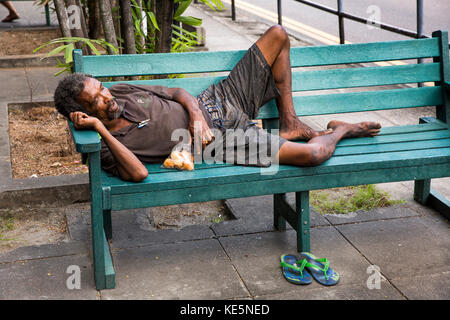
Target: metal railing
x: 343, y: 15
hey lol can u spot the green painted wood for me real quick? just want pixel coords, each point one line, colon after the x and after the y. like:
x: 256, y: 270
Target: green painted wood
x: 297, y: 217
x: 364, y: 52
x: 107, y: 224
x: 392, y: 147
x: 443, y: 112
x: 320, y: 79
x: 359, y: 102
x: 279, y: 203
x: 78, y: 66
x: 85, y: 140
x: 364, y: 76
x: 193, y: 85
x: 180, y: 63
x: 422, y: 190
x: 110, y: 274
x: 392, y: 138
x: 439, y: 203
x: 237, y: 174
x: 161, y: 63
x: 263, y: 187
x: 302, y: 227
x: 97, y: 220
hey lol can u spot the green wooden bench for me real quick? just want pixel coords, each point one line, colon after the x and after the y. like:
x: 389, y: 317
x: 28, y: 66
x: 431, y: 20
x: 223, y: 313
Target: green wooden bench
x: 47, y: 11
x: 414, y: 152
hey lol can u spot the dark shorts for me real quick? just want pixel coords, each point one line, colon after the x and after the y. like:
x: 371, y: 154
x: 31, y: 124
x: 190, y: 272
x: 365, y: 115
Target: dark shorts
x: 232, y: 104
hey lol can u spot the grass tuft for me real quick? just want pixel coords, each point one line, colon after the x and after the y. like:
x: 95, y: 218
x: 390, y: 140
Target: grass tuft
x: 350, y: 199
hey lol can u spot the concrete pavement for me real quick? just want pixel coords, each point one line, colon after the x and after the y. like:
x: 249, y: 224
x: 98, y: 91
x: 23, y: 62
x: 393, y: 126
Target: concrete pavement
x: 238, y: 258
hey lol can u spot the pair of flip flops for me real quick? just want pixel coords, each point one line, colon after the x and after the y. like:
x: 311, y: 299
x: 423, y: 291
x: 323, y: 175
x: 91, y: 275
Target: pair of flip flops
x: 301, y: 270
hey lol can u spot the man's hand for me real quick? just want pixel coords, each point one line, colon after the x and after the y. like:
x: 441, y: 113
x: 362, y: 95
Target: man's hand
x: 199, y: 129
x: 83, y: 121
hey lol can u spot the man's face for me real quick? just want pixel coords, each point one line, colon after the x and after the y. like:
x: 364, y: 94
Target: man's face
x: 98, y: 101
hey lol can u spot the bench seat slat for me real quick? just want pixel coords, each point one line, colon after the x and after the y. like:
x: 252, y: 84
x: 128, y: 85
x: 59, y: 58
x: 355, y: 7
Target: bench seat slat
x: 390, y: 147
x: 234, y: 174
x: 358, y: 102
x: 263, y: 187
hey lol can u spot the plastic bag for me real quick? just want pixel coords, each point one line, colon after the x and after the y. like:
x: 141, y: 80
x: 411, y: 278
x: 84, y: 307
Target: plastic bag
x: 181, y: 160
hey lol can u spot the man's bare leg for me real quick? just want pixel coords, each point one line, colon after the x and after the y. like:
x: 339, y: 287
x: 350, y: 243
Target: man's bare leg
x: 12, y: 12
x: 275, y: 46
x: 321, y: 148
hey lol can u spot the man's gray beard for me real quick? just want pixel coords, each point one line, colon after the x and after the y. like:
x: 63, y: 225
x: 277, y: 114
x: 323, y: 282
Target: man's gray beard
x: 117, y: 114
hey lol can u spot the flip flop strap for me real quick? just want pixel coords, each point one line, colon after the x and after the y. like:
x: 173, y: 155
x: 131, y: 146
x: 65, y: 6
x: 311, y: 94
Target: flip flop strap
x: 302, y: 262
x: 326, y: 265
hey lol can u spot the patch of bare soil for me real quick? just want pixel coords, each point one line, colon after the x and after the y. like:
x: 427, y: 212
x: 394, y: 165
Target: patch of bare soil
x: 21, y: 42
x: 30, y: 226
x: 41, y: 145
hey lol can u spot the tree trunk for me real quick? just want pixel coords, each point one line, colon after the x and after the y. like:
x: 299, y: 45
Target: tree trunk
x: 141, y: 39
x: 115, y: 12
x: 127, y: 27
x: 61, y: 13
x: 164, y: 16
x: 94, y: 21
x: 108, y: 25
x: 127, y: 30
x: 75, y: 22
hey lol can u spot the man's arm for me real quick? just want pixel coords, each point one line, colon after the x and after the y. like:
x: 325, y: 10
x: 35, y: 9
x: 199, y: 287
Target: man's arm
x: 198, y: 126
x: 129, y: 166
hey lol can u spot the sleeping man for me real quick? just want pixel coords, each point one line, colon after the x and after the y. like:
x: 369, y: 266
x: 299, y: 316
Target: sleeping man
x: 137, y: 122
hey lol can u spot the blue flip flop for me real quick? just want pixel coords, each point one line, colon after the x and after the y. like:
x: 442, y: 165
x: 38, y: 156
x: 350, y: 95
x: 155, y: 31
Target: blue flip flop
x: 320, y: 269
x: 294, y: 269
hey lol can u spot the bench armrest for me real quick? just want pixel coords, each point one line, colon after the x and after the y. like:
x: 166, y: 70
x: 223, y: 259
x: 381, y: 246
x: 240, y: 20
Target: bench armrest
x: 447, y: 86
x: 86, y: 141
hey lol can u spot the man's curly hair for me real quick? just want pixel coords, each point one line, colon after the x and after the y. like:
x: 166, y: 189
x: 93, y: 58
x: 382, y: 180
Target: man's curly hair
x: 67, y: 93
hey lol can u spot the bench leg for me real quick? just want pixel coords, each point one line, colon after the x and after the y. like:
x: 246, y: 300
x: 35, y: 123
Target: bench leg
x: 426, y: 196
x: 303, y: 230
x: 297, y: 217
x: 279, y: 222
x: 103, y: 266
x: 107, y: 226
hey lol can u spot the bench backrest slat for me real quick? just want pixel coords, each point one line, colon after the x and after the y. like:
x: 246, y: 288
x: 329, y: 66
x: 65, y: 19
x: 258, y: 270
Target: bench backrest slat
x: 199, y: 62
x: 322, y: 79
x: 358, y: 102
x: 304, y: 78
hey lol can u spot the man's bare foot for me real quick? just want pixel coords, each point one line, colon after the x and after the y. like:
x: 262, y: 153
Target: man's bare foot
x: 11, y: 17
x: 297, y: 130
x: 361, y: 129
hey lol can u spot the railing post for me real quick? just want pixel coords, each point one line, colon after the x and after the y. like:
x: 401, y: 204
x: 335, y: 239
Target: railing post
x: 341, y: 23
x: 233, y: 11
x: 419, y: 14
x: 279, y: 12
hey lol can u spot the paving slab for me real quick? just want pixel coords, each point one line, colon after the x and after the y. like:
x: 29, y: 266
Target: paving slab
x: 47, y: 279
x: 63, y: 248
x: 255, y: 214
x: 256, y: 257
x: 428, y: 287
x: 28, y: 84
x: 393, y: 212
x: 342, y: 292
x: 185, y: 270
x: 130, y: 228
x: 403, y: 248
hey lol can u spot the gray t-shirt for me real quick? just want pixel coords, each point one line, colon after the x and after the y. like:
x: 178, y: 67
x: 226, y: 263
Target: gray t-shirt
x: 151, y: 142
